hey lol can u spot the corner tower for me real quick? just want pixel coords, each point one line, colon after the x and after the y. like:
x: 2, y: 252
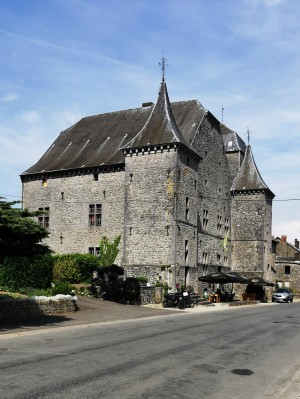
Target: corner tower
x: 160, y: 221
x: 251, y: 221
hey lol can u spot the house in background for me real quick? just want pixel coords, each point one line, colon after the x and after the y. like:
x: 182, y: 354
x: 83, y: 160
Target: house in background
x: 287, y: 263
x: 169, y: 178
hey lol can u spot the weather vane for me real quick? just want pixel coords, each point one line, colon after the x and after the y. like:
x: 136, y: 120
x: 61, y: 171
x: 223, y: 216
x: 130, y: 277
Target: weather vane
x: 163, y: 66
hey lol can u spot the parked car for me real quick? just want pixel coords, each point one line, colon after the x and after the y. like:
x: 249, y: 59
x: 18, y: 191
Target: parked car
x: 282, y: 295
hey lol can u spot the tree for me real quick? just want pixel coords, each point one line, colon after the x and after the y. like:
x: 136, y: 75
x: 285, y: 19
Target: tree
x: 20, y: 235
x: 108, y: 250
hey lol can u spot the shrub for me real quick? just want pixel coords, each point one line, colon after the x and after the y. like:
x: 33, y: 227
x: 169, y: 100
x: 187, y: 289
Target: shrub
x: 62, y: 288
x: 109, y: 285
x: 75, y: 268
x: 86, y: 263
x: 66, y: 269
x: 142, y: 279
x: 20, y: 272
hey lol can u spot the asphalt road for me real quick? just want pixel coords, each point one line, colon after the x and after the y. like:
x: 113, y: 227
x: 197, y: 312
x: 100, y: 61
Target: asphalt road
x: 248, y: 352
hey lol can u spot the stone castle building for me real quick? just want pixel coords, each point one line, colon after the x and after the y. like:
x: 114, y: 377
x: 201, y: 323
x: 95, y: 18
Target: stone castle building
x: 173, y: 181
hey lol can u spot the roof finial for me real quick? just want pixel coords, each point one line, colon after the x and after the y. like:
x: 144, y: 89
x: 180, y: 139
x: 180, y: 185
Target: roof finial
x: 222, y: 113
x: 248, y: 135
x: 163, y: 66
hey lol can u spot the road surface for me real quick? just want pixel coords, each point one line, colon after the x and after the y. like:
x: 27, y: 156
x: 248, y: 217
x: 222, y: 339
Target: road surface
x: 247, y: 352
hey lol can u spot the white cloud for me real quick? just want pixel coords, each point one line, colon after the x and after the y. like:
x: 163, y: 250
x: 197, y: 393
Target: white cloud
x: 9, y: 97
x: 30, y: 116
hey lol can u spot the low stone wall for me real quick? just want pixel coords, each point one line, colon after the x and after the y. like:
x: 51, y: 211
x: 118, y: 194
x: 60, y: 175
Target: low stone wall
x: 150, y: 294
x: 12, y: 309
x: 147, y: 295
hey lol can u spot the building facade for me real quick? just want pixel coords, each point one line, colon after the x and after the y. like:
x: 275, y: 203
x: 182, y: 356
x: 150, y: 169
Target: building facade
x: 287, y: 263
x: 172, y: 180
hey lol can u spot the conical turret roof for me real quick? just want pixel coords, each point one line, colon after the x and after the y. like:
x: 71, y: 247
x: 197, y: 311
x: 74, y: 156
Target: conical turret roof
x: 161, y: 127
x: 248, y: 177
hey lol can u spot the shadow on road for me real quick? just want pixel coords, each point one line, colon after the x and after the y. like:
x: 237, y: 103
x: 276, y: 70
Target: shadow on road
x: 90, y: 311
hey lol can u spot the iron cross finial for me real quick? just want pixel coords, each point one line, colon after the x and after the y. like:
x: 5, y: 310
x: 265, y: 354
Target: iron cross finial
x: 248, y: 135
x: 163, y: 66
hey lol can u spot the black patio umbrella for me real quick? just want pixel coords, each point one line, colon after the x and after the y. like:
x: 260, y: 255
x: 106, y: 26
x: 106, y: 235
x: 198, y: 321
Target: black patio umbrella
x: 261, y: 281
x: 242, y: 279
x: 224, y: 278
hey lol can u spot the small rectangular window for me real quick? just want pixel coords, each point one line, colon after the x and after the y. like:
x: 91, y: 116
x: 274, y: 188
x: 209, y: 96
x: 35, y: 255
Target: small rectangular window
x: 187, y: 208
x: 43, y: 219
x: 95, y: 214
x: 219, y: 224
x: 44, y: 183
x: 287, y: 269
x: 186, y: 251
x: 226, y: 225
x: 94, y: 251
x: 96, y: 177
x: 205, y: 219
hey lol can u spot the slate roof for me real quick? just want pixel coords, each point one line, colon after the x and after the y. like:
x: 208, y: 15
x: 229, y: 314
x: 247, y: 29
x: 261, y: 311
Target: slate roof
x: 248, y: 176
x: 161, y: 127
x: 97, y: 140
x: 232, y: 141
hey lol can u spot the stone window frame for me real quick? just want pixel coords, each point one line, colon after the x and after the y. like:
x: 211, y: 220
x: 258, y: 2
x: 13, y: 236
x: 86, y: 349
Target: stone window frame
x: 44, y: 220
x: 95, y: 215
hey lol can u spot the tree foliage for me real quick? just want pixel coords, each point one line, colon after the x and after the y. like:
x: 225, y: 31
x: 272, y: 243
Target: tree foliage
x: 20, y: 235
x: 108, y: 251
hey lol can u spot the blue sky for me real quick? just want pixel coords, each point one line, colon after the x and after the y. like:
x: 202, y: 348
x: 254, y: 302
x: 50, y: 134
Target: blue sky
x: 63, y: 60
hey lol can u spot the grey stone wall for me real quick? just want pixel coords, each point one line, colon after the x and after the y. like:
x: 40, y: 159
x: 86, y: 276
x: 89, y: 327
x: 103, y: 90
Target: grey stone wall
x: 214, y: 200
x: 251, y: 232
x: 149, y: 208
x: 69, y: 213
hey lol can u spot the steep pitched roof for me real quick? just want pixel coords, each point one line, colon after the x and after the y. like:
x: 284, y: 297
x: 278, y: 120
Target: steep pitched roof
x: 96, y: 140
x: 232, y: 141
x: 248, y: 176
x: 161, y: 127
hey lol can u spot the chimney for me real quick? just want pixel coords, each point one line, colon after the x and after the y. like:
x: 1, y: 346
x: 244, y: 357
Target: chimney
x: 283, y: 238
x: 296, y: 243
x: 148, y: 104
